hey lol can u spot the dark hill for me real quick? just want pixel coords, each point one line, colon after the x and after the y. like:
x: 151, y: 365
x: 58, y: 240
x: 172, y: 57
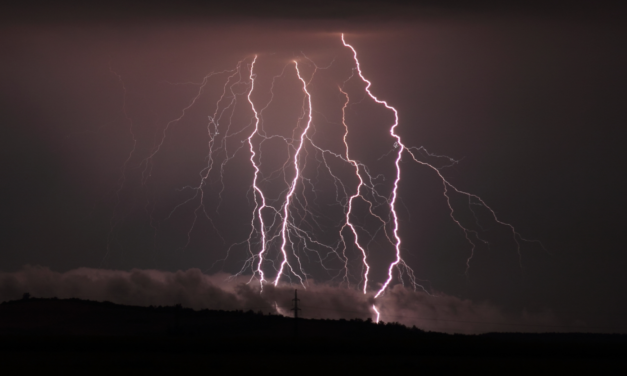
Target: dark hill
x: 41, y: 333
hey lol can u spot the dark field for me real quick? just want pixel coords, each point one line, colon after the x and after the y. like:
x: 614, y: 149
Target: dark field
x: 98, y: 338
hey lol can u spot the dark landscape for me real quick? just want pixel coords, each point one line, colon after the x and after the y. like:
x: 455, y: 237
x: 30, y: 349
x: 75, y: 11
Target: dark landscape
x: 74, y: 334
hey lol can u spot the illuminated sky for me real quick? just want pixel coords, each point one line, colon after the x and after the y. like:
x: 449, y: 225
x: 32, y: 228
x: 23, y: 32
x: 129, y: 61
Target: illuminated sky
x: 529, y: 100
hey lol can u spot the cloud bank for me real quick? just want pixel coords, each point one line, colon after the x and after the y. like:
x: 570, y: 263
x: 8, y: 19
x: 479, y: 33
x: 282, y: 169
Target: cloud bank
x: 193, y: 289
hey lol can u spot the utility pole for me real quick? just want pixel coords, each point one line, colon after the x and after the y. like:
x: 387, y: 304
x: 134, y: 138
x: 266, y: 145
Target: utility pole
x: 295, y: 309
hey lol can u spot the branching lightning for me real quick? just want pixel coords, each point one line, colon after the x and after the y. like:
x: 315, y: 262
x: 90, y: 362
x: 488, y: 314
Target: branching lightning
x: 288, y: 228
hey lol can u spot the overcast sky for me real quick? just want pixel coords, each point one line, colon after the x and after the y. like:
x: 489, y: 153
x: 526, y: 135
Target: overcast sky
x: 530, y: 100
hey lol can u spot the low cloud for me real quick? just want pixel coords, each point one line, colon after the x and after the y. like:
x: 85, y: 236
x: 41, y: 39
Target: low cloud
x: 196, y: 290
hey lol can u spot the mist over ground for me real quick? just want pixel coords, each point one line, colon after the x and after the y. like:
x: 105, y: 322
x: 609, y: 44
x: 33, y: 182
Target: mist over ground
x: 193, y: 289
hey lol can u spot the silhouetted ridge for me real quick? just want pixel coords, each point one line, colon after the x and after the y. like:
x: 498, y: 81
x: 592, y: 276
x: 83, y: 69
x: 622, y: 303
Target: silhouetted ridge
x: 83, y: 317
x: 103, y: 334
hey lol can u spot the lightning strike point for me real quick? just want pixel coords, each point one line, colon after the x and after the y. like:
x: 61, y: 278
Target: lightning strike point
x: 374, y: 308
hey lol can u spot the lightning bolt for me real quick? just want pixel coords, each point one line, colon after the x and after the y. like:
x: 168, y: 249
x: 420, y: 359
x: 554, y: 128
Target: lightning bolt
x: 288, y: 198
x: 378, y: 315
x: 350, y: 200
x: 400, y: 148
x: 283, y: 226
x: 257, y: 191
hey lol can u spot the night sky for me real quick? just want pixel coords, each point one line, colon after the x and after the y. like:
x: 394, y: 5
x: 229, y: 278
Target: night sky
x: 529, y: 100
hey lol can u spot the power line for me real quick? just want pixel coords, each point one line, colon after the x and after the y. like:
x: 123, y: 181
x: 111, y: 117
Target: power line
x: 295, y: 309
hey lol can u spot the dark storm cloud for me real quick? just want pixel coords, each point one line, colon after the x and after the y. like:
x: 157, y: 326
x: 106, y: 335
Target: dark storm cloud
x: 196, y: 290
x: 363, y: 10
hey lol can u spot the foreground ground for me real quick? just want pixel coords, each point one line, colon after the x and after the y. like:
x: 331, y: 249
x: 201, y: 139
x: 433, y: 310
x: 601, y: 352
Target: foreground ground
x: 101, y: 338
